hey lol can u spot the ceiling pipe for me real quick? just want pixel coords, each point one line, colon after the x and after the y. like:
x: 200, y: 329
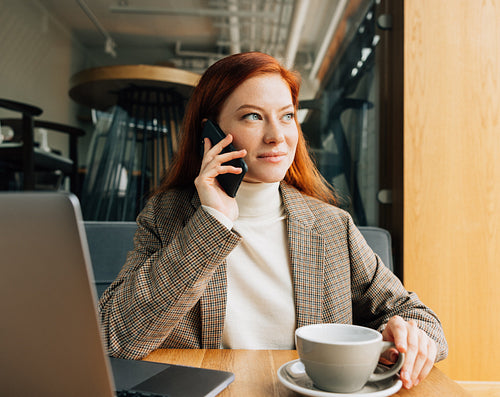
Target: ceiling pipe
x: 195, y: 54
x: 339, y: 11
x: 283, y: 28
x: 109, y: 45
x: 270, y: 32
x: 196, y: 12
x: 234, y: 28
x: 253, y: 29
x: 275, y: 27
x: 265, y: 29
x: 298, y: 20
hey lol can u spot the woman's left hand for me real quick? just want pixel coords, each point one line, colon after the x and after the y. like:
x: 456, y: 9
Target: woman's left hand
x: 419, y: 348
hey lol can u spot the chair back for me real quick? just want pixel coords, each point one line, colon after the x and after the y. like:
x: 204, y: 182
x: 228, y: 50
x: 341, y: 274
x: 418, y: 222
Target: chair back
x: 380, y: 242
x: 109, y: 243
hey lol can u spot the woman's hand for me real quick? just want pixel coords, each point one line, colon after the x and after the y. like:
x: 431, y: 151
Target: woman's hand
x: 209, y: 190
x: 420, y: 349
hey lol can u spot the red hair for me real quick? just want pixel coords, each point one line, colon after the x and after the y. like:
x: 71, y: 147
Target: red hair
x: 215, y: 86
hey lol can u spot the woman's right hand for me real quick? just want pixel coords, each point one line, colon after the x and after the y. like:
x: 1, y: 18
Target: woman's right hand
x: 209, y: 190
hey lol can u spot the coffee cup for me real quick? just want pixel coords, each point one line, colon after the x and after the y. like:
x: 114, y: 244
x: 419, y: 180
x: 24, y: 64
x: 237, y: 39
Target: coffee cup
x: 343, y: 357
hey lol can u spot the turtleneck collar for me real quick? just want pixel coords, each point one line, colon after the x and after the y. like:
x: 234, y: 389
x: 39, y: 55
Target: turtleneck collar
x: 258, y: 200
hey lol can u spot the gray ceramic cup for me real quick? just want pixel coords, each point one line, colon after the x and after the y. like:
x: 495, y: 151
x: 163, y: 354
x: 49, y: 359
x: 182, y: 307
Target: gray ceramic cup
x: 342, y: 357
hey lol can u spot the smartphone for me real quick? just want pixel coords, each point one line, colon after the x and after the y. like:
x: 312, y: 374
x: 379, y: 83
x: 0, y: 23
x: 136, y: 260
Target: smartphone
x: 229, y: 182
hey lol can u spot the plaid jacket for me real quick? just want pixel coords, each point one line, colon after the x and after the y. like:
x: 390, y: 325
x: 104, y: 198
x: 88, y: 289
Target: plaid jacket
x: 171, y: 293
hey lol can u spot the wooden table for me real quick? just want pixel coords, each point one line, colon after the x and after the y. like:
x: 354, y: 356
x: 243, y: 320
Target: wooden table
x: 255, y: 372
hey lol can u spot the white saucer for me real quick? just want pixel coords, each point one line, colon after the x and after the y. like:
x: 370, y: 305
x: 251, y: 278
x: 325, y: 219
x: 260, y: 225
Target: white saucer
x: 294, y: 377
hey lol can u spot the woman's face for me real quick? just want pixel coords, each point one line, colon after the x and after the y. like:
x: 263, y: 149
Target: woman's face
x: 259, y: 114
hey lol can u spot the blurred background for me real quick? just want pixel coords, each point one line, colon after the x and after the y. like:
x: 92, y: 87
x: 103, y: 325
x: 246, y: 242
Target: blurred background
x: 333, y: 44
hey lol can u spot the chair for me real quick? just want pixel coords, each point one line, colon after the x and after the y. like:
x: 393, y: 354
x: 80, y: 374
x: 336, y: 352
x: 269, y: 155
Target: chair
x: 380, y: 242
x: 109, y: 243
x: 20, y: 154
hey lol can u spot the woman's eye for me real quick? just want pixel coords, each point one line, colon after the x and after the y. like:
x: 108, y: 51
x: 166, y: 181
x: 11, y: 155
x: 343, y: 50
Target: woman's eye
x: 251, y: 116
x: 288, y: 117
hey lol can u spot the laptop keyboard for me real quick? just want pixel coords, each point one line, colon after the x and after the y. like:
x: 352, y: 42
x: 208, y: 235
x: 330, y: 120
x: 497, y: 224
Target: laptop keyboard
x: 131, y: 393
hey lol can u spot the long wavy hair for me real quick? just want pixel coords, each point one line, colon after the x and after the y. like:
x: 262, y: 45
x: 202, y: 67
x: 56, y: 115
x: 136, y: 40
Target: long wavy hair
x: 215, y: 86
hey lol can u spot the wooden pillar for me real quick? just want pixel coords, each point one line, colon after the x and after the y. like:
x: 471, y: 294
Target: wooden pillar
x: 452, y: 175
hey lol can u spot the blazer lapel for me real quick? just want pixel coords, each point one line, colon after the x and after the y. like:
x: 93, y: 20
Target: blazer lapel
x: 307, y: 257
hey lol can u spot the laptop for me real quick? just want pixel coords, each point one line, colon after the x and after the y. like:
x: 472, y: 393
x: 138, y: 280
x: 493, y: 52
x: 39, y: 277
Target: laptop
x: 50, y: 338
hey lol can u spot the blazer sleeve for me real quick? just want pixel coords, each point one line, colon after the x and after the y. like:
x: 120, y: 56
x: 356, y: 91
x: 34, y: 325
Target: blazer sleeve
x: 377, y: 294
x: 173, y: 260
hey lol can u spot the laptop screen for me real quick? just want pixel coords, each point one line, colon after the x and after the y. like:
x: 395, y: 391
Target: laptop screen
x: 51, y: 343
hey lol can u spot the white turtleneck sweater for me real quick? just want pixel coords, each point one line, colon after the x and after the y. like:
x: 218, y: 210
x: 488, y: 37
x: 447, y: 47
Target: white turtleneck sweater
x: 260, y: 311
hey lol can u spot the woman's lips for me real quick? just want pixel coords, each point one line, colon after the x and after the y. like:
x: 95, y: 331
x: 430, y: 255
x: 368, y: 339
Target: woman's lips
x: 272, y: 157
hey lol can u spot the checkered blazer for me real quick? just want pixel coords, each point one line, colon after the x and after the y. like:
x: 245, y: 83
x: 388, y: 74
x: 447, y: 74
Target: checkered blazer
x: 171, y: 293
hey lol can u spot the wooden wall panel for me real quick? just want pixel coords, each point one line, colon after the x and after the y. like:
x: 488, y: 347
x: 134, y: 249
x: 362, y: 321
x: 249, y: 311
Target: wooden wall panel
x: 452, y: 175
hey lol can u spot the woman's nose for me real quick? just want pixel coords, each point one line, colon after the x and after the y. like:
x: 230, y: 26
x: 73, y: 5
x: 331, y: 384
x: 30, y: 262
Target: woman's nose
x: 274, y: 133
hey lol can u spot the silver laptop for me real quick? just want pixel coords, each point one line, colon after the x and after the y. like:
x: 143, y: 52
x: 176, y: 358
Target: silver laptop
x: 50, y: 339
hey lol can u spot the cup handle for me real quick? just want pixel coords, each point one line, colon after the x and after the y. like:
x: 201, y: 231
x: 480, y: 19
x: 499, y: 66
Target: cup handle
x: 391, y: 371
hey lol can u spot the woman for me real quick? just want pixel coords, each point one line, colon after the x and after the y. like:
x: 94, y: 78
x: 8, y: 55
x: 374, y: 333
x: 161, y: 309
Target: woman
x: 212, y: 271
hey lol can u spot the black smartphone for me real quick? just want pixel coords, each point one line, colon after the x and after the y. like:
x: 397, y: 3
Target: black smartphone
x: 229, y: 182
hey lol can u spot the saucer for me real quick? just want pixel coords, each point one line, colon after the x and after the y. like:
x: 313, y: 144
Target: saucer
x: 294, y: 377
